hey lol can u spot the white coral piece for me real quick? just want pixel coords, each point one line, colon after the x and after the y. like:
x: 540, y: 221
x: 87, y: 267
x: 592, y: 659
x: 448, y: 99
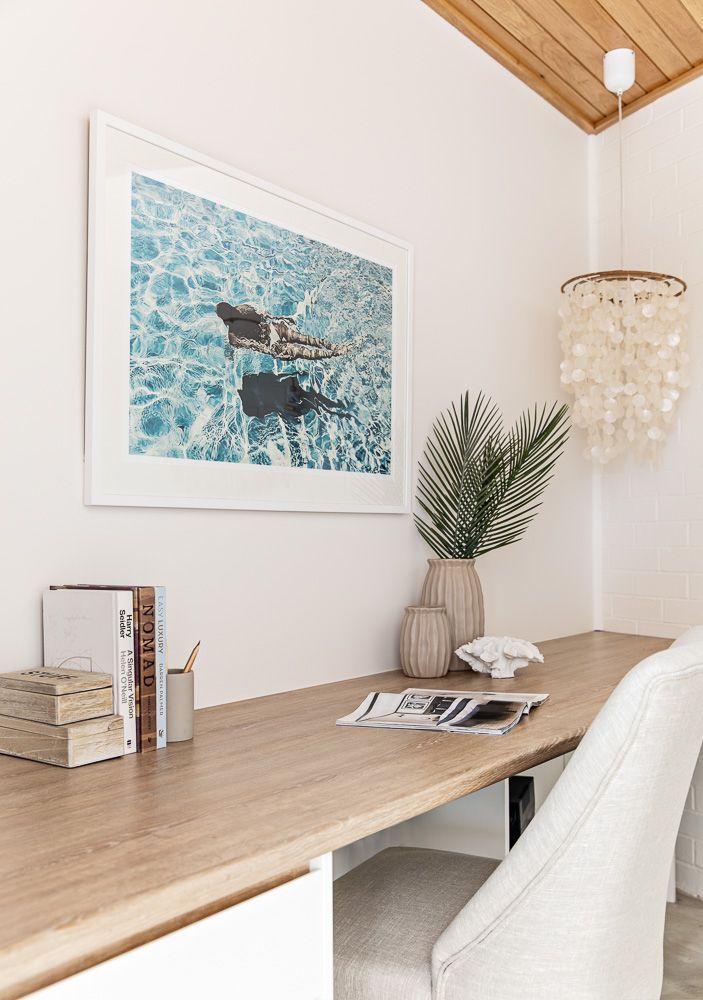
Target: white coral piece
x: 499, y: 656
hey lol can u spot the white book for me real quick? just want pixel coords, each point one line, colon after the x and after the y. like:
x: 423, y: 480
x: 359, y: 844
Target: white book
x: 161, y: 665
x: 93, y: 630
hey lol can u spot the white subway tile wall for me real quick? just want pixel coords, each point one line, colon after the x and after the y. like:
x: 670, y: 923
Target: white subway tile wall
x: 653, y: 511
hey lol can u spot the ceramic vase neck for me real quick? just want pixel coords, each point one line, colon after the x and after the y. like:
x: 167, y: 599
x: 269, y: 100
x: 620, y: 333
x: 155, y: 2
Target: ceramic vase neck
x: 463, y: 562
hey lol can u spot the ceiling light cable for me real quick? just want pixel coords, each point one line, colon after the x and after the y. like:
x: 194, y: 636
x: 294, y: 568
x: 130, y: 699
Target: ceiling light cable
x: 622, y: 186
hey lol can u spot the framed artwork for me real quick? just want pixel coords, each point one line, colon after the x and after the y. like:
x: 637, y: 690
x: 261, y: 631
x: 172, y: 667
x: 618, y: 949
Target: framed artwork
x: 246, y: 348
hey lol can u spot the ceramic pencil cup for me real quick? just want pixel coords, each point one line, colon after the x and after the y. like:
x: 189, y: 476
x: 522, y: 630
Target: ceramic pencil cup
x: 180, y: 704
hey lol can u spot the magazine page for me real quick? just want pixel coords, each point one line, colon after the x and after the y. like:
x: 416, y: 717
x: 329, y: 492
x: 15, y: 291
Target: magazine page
x: 484, y: 712
x: 492, y: 717
x: 413, y: 709
x: 529, y: 698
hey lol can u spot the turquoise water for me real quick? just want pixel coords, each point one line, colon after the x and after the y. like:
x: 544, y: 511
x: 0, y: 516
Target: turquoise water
x: 188, y: 254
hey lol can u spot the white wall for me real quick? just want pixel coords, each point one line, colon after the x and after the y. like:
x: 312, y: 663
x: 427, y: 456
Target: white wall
x: 383, y: 112
x: 653, y: 512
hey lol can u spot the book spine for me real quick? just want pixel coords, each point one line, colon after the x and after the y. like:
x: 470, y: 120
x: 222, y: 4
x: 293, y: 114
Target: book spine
x: 147, y: 669
x: 161, y: 667
x: 134, y: 593
x: 125, y: 692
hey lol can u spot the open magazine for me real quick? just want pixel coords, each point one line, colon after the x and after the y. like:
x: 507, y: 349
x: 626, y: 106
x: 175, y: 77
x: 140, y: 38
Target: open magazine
x: 488, y: 713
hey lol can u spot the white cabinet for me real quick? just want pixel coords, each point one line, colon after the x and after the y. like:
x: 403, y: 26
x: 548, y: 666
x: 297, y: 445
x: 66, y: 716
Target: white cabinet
x: 275, y: 945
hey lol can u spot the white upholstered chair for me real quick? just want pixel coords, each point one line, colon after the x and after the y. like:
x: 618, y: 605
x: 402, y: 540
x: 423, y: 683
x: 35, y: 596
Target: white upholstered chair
x: 576, y: 910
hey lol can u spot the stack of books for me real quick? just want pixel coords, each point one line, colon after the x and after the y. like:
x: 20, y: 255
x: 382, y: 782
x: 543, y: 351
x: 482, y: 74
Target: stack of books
x: 119, y: 631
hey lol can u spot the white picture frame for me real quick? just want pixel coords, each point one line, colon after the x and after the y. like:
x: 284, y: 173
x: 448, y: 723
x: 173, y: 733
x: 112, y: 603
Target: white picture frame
x: 121, y: 157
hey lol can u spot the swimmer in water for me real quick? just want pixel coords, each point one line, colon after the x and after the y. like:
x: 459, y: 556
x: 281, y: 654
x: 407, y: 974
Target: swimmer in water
x: 265, y: 392
x: 277, y: 336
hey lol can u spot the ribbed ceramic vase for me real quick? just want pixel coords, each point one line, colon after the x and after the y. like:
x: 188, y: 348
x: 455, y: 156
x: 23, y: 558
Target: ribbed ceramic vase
x: 454, y: 584
x: 425, y: 642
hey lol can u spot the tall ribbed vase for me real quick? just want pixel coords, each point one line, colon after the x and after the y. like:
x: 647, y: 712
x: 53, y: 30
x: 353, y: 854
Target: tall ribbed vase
x: 454, y: 584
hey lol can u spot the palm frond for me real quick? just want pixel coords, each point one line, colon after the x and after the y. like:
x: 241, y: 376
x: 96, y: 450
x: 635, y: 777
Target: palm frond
x: 480, y: 487
x: 449, y: 490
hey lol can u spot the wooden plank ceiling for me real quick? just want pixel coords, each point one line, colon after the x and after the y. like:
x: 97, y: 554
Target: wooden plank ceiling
x: 557, y: 46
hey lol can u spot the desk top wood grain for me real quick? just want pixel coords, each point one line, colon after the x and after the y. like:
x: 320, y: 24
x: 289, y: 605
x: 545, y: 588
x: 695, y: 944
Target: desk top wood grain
x: 95, y: 861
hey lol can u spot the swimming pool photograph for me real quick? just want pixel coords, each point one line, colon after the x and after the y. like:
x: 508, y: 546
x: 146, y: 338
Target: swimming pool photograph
x: 246, y: 347
x: 252, y: 343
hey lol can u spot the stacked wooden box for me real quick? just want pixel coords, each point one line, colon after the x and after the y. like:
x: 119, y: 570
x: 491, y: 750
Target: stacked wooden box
x: 59, y: 716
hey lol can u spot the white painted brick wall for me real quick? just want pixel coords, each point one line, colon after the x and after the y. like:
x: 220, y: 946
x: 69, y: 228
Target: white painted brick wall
x: 653, y: 513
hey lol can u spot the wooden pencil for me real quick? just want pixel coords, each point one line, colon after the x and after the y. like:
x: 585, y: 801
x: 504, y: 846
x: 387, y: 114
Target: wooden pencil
x: 191, y: 659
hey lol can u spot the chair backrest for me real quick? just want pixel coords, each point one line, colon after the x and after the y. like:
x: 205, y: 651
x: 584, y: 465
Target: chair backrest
x: 577, y: 908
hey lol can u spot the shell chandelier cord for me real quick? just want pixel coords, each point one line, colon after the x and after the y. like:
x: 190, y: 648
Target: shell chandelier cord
x: 624, y: 342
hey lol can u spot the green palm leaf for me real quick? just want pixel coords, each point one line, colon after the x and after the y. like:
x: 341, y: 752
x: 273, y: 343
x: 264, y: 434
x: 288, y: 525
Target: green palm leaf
x: 478, y: 486
x: 449, y: 481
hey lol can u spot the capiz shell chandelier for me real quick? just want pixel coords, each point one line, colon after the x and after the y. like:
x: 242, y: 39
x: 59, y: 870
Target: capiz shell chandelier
x: 623, y: 337
x: 625, y: 361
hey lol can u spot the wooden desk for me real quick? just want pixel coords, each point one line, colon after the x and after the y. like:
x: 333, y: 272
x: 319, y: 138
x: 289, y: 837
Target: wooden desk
x: 98, y: 860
